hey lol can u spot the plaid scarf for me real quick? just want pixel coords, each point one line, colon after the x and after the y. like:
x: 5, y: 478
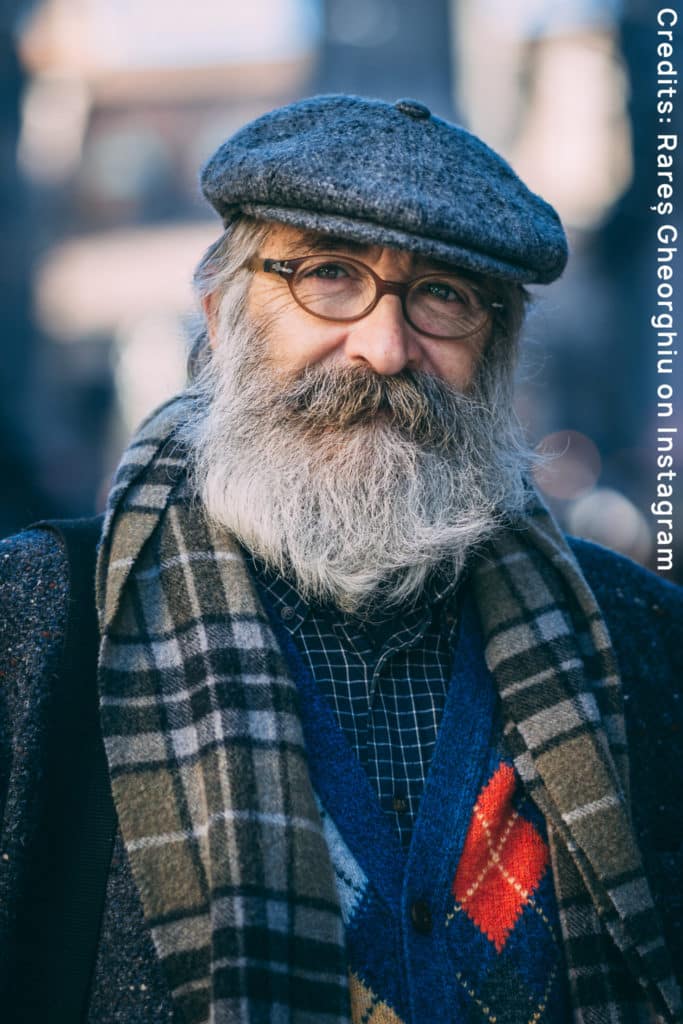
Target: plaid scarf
x: 209, y: 776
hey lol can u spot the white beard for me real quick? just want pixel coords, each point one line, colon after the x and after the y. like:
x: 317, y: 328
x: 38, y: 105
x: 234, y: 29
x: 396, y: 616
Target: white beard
x: 354, y: 485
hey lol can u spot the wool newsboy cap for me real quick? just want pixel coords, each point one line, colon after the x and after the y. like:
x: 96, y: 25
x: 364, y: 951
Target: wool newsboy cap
x: 387, y: 174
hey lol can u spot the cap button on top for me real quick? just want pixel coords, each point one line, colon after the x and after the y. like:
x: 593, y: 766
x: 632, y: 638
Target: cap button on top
x: 413, y: 108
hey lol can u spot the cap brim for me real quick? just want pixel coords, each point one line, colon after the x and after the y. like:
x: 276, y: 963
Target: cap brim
x: 365, y: 231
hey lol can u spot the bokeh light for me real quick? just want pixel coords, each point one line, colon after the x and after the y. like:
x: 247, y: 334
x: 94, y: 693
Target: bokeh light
x: 90, y: 287
x: 572, y: 467
x: 610, y: 519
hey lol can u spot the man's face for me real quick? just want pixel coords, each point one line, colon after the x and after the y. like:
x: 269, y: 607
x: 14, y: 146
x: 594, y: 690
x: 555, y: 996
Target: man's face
x: 355, y: 457
x: 382, y: 341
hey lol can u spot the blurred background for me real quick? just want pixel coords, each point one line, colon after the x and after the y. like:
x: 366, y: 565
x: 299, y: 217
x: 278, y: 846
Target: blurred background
x: 109, y: 107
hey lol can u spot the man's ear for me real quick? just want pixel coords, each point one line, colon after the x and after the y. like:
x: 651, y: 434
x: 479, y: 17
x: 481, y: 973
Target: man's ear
x: 210, y: 307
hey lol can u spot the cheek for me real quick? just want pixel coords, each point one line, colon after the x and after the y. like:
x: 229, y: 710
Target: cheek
x: 295, y: 339
x: 457, y: 362
x: 267, y: 305
x: 295, y: 346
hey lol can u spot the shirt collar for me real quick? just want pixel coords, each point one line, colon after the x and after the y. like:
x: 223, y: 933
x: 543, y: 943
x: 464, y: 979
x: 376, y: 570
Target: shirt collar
x: 293, y: 609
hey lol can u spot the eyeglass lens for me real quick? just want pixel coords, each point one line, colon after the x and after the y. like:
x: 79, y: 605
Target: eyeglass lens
x: 441, y: 304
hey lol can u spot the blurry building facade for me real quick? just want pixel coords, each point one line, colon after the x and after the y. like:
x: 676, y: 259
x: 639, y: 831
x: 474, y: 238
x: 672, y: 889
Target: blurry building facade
x: 110, y: 110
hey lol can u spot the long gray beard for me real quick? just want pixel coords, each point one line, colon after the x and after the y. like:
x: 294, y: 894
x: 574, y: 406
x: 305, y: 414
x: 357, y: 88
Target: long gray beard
x: 354, y: 484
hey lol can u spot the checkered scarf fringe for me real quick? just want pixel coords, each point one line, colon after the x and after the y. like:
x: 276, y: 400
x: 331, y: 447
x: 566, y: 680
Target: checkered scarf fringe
x: 209, y: 776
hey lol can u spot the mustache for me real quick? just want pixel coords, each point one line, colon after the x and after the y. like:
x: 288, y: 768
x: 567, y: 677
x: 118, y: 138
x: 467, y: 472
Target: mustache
x: 419, y: 406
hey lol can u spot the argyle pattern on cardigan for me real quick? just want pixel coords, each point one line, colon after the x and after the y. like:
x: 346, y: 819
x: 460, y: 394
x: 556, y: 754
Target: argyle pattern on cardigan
x: 499, y: 939
x: 502, y: 863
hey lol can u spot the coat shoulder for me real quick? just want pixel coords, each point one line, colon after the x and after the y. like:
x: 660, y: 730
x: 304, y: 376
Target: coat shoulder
x: 34, y: 601
x: 644, y: 616
x: 609, y: 573
x: 632, y: 599
x: 34, y: 593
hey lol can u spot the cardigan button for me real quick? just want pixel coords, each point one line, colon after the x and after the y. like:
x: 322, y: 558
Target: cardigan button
x: 421, y: 916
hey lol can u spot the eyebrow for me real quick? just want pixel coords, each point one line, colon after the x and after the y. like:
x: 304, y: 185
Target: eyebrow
x: 310, y: 243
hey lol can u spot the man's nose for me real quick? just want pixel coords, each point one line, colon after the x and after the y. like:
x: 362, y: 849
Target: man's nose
x: 383, y: 339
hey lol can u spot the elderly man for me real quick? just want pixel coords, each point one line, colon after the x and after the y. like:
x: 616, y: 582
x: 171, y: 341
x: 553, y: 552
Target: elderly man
x: 384, y: 746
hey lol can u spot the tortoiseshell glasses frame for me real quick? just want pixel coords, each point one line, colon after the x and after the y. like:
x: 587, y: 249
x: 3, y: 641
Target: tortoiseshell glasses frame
x: 423, y: 295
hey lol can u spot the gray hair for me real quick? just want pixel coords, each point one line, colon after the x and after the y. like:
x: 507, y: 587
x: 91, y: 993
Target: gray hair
x: 221, y: 269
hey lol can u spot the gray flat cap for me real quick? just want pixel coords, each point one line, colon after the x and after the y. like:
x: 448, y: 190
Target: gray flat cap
x: 387, y: 174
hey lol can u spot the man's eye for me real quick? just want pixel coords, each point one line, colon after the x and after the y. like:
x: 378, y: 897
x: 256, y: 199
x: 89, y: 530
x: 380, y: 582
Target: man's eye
x: 328, y: 271
x: 443, y: 291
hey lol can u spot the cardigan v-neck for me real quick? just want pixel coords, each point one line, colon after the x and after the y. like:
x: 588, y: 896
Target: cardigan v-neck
x: 410, y: 946
x: 455, y: 775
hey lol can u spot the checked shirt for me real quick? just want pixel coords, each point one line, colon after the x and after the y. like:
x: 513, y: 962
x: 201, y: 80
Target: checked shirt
x: 386, y: 681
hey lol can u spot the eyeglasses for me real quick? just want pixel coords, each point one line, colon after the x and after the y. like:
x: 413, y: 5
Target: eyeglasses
x: 341, y: 289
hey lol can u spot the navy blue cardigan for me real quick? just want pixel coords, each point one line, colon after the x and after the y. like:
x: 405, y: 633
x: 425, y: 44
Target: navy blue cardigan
x: 644, y: 615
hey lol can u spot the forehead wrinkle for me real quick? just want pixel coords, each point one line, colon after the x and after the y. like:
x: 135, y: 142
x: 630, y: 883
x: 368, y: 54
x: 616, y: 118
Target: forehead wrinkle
x: 312, y: 243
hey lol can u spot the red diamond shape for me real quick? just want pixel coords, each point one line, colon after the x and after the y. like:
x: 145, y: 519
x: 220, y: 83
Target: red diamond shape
x: 502, y: 862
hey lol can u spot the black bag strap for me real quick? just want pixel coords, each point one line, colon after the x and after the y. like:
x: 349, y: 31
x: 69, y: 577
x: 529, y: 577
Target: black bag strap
x: 70, y: 870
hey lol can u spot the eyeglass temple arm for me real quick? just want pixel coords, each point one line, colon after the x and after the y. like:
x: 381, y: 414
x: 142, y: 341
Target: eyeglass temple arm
x: 270, y: 266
